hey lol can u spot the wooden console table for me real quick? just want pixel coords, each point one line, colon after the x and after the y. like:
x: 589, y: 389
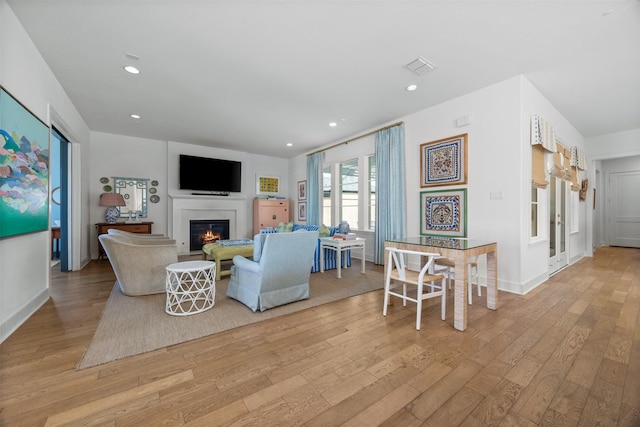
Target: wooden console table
x: 138, y: 227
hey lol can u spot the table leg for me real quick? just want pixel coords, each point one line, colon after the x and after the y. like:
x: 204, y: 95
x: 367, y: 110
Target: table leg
x: 460, y: 295
x: 218, y: 268
x: 339, y: 262
x: 362, y: 271
x: 321, y: 259
x: 492, y: 280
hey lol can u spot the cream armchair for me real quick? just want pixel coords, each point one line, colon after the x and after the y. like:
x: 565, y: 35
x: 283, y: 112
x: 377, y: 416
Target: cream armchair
x: 117, y: 232
x: 139, y: 266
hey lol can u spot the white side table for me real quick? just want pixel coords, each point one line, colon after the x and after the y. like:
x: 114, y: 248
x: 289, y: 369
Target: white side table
x: 339, y: 246
x: 191, y: 287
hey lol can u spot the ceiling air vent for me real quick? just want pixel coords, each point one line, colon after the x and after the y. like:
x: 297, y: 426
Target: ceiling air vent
x: 420, y: 66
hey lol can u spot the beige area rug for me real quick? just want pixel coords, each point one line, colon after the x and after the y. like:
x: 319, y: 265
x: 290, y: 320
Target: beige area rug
x: 135, y: 325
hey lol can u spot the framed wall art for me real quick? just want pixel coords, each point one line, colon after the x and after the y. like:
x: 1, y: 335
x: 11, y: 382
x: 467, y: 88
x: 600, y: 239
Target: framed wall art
x: 444, y: 162
x: 267, y: 184
x: 302, y: 211
x: 302, y: 190
x: 24, y: 169
x: 443, y: 213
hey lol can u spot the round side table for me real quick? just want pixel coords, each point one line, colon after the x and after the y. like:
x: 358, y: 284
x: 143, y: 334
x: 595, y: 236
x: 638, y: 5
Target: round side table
x: 191, y: 287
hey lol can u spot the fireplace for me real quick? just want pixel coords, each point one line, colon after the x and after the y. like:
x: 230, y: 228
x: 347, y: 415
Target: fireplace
x: 186, y: 208
x: 203, y: 231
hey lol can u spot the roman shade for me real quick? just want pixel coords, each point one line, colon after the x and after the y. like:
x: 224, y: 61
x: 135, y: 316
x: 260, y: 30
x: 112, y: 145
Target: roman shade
x: 543, y: 140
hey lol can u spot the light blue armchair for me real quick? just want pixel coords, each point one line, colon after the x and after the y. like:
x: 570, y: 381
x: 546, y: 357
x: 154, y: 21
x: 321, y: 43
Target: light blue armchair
x: 279, y: 273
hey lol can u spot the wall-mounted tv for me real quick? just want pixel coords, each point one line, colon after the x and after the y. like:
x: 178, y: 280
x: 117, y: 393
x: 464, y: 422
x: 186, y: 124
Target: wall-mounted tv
x: 207, y: 174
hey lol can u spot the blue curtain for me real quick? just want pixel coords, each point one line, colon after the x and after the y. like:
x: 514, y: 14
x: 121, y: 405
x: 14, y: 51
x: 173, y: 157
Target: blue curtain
x: 314, y: 187
x: 390, y: 187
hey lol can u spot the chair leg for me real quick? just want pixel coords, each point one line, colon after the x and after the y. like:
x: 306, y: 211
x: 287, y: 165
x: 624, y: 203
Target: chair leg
x: 404, y: 294
x: 386, y: 297
x: 443, y: 303
x: 419, y: 307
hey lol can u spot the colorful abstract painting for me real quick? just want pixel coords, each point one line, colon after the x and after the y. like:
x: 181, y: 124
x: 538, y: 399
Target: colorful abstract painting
x: 443, y: 213
x: 444, y: 162
x: 24, y: 169
x: 267, y: 184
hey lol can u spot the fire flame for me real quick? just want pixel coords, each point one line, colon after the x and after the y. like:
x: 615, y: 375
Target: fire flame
x: 210, y: 236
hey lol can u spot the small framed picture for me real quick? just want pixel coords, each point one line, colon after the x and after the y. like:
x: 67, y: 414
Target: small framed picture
x: 444, y: 162
x: 267, y: 184
x: 443, y: 213
x: 302, y: 211
x: 302, y: 190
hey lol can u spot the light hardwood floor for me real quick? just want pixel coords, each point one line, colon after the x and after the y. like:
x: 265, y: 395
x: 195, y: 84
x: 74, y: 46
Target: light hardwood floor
x: 566, y: 354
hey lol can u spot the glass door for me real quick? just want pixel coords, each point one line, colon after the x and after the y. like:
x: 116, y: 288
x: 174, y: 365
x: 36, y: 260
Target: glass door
x: 559, y: 227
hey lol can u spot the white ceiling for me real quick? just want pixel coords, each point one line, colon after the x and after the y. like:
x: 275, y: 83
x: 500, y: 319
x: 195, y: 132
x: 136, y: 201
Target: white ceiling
x: 254, y: 75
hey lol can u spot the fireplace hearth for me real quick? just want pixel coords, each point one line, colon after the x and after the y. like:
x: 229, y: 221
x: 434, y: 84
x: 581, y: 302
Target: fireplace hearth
x: 203, y: 231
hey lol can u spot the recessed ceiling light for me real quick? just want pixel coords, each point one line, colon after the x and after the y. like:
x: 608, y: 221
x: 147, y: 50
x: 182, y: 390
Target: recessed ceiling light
x: 131, y: 69
x: 411, y: 88
x: 333, y: 124
x: 135, y: 116
x: 289, y: 144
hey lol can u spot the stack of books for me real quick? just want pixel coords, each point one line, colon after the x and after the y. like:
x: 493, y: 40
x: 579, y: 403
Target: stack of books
x: 345, y: 236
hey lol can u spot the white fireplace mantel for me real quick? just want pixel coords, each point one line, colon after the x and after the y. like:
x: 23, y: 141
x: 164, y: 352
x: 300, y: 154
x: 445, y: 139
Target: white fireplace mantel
x: 184, y: 208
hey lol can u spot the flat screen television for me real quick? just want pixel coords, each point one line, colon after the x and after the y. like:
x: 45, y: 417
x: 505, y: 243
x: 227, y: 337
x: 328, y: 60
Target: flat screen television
x: 206, y: 174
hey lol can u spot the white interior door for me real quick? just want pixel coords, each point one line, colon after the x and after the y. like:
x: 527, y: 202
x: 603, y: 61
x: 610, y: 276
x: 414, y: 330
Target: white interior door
x: 624, y: 209
x: 559, y: 224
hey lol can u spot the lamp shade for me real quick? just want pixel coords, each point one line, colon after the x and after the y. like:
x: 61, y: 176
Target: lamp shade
x: 112, y: 199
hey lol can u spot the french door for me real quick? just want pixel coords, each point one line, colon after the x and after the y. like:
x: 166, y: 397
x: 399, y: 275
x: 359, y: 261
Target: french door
x: 559, y: 224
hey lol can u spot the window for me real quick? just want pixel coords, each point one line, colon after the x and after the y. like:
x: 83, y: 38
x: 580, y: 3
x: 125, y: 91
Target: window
x: 348, y: 193
x: 326, y: 195
x: 371, y: 194
x: 354, y: 199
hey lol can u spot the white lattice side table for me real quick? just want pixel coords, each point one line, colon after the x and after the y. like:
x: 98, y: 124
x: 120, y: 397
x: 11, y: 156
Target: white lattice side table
x: 191, y: 287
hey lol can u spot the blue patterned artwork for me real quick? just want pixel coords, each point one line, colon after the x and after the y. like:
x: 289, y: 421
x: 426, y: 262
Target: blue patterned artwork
x: 444, y: 162
x: 24, y: 169
x: 443, y: 213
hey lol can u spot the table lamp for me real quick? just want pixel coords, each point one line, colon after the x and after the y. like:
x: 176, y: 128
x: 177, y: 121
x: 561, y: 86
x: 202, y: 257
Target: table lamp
x: 111, y: 200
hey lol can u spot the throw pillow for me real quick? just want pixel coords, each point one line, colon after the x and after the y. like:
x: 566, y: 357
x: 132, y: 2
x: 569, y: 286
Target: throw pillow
x: 324, y: 231
x: 285, y: 228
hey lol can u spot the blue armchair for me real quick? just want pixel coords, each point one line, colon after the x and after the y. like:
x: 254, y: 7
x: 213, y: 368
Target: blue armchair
x: 279, y: 272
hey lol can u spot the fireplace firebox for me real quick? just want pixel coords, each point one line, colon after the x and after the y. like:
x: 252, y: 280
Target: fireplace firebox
x: 203, y: 231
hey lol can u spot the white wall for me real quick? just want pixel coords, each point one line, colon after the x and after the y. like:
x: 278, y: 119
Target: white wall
x: 24, y: 260
x: 499, y: 156
x: 613, y: 145
x: 126, y: 156
x: 131, y: 157
x: 494, y: 151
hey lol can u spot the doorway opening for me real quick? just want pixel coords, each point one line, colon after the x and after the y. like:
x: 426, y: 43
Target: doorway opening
x: 60, y: 201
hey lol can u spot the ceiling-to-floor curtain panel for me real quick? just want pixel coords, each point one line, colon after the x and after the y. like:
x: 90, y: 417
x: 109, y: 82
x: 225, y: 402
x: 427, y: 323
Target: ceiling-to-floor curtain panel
x: 390, y: 188
x: 314, y: 187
